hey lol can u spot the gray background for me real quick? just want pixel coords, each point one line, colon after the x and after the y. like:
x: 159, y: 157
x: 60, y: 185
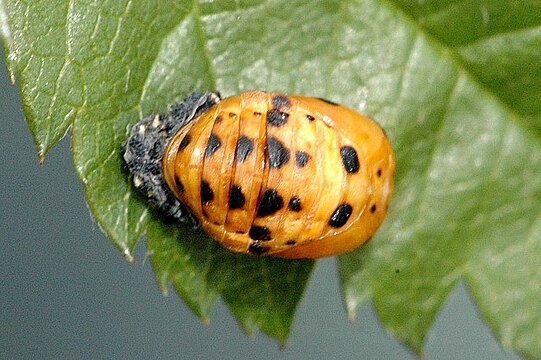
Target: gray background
x: 66, y: 292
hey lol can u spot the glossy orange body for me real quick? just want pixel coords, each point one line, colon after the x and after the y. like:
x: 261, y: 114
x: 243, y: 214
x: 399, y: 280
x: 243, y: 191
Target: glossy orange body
x: 288, y: 176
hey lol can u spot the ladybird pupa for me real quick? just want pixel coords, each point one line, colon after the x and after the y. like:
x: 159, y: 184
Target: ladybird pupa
x: 265, y: 173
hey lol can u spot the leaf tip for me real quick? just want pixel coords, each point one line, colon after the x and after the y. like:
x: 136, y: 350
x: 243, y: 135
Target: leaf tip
x: 128, y: 256
x: 351, y: 309
x: 164, y: 290
x: 42, y: 153
x: 205, y: 320
x: 352, y: 315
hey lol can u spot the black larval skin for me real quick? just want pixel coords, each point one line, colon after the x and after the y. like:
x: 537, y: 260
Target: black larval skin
x: 144, y: 149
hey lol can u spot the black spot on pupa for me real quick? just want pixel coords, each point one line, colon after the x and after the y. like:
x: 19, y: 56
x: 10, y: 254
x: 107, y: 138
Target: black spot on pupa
x: 276, y: 117
x: 349, y: 159
x: 310, y: 117
x: 301, y: 158
x: 328, y: 101
x: 340, y: 216
x: 373, y: 208
x: 236, y: 198
x: 259, y: 233
x: 378, y: 173
x: 185, y: 142
x: 245, y: 147
x: 218, y: 120
x: 212, y: 145
x: 232, y: 115
x: 206, y: 193
x: 257, y: 114
x: 278, y: 154
x: 270, y: 203
x: 281, y: 102
x: 295, y: 204
x: 180, y: 186
x: 256, y: 248
x: 291, y: 242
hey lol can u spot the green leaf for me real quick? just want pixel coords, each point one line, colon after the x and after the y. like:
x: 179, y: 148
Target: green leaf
x: 455, y: 84
x: 261, y: 292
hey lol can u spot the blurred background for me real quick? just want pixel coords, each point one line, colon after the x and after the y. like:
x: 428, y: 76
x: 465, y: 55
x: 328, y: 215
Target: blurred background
x: 66, y: 292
